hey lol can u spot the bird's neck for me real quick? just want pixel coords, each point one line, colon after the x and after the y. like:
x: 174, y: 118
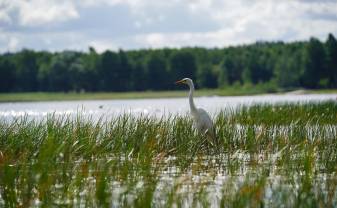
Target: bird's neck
x: 190, y: 96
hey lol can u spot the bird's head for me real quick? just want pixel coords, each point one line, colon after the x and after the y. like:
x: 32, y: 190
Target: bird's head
x: 187, y: 81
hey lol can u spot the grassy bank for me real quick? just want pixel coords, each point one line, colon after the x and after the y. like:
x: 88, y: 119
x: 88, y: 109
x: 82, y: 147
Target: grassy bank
x: 268, y: 155
x: 41, y: 96
x: 56, y: 96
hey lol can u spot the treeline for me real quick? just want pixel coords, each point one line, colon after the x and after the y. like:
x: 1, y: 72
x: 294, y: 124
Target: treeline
x: 307, y: 64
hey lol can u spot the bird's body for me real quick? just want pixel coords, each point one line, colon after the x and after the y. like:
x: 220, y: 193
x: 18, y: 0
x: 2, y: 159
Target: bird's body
x: 202, y: 120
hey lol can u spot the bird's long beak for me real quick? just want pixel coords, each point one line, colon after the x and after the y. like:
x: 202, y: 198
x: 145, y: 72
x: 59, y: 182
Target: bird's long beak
x: 179, y: 82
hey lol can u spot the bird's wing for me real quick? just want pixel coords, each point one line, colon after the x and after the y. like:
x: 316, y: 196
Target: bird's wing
x: 205, y: 118
x: 206, y: 124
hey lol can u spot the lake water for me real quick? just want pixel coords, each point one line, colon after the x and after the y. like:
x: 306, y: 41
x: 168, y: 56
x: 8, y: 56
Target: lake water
x: 151, y: 107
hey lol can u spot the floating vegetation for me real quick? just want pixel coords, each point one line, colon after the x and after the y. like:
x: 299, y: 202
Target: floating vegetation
x: 269, y: 155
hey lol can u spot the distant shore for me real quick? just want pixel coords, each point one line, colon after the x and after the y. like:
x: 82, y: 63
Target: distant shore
x: 60, y: 96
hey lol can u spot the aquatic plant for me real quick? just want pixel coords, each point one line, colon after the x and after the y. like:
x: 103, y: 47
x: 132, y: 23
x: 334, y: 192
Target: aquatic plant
x: 269, y: 155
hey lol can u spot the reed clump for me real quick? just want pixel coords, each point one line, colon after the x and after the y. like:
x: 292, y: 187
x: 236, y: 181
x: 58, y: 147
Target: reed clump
x: 268, y: 155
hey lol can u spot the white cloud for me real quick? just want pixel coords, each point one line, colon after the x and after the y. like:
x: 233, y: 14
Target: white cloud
x: 247, y: 22
x: 39, y: 12
x: 135, y: 24
x: 13, y: 41
x: 90, y: 3
x: 13, y: 44
x: 4, y: 17
x: 223, y: 37
x: 9, y: 41
x: 4, y: 10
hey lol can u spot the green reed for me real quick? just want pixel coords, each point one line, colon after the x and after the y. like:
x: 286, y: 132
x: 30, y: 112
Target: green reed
x: 268, y: 155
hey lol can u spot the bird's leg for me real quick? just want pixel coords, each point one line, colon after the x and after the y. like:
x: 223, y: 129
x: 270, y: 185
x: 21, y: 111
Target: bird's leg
x: 207, y: 140
x: 211, y: 138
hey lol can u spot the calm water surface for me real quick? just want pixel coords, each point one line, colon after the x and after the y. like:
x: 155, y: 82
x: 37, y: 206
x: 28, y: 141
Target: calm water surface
x: 152, y: 107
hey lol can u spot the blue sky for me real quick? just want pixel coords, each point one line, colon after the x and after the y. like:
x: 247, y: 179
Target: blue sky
x: 56, y: 25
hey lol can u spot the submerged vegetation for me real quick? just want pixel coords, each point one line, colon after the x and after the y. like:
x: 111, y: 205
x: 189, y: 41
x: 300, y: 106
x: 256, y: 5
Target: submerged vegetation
x: 269, y: 155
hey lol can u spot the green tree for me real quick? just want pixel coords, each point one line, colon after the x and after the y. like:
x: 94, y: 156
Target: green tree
x: 7, y: 74
x: 309, y: 64
x: 43, y: 74
x: 182, y: 64
x: 77, y: 75
x: 331, y: 50
x: 206, y: 76
x: 157, y: 72
x: 287, y: 70
x: 285, y: 74
x: 257, y: 65
x: 115, y: 71
x: 139, y: 77
x: 314, y: 71
x: 60, y: 77
x: 124, y: 72
x: 109, y: 64
x: 89, y: 74
x: 26, y: 71
x: 230, y: 71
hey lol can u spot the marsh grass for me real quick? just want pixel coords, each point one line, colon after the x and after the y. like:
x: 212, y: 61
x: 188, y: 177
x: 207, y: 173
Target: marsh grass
x: 57, y: 96
x: 268, y: 155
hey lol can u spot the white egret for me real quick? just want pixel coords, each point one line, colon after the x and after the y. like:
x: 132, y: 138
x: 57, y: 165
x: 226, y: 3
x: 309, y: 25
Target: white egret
x: 202, y: 120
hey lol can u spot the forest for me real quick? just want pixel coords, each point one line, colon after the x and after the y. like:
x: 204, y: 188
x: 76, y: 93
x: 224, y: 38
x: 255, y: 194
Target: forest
x: 308, y: 64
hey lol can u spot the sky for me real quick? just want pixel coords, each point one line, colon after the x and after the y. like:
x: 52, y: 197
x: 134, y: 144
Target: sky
x: 57, y: 25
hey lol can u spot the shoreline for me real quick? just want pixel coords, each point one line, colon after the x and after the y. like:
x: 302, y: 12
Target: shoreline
x: 73, y: 96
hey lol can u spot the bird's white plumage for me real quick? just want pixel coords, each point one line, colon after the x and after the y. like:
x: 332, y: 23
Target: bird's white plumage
x: 202, y: 120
